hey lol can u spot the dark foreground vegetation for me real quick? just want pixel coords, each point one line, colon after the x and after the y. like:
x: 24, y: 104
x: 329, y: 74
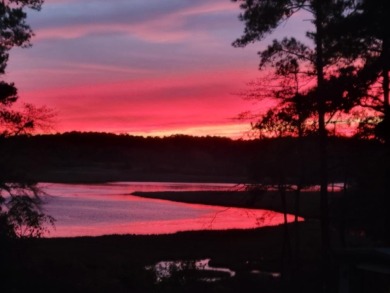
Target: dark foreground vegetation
x: 123, y: 263
x: 117, y: 263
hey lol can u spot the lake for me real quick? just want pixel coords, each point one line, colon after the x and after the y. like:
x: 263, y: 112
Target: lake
x: 109, y: 208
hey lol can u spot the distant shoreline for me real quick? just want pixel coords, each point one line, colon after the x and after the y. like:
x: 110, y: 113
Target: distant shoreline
x: 88, y: 176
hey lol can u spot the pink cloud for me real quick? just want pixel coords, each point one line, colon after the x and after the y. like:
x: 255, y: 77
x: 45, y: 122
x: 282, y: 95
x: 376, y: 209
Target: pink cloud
x: 145, y: 67
x: 199, y: 101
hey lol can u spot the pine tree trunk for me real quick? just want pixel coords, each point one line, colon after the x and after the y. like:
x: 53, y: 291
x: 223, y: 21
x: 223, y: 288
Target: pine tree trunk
x: 386, y: 129
x: 319, y: 64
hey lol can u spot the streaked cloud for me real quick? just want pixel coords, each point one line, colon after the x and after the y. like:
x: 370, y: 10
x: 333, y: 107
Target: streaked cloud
x: 142, y: 66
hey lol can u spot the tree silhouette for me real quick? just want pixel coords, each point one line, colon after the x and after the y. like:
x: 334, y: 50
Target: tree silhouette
x: 20, y: 212
x: 368, y: 44
x: 323, y: 62
x: 364, y: 36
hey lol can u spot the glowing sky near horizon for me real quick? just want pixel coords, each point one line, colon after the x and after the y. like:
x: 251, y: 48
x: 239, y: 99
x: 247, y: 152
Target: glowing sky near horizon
x: 139, y: 67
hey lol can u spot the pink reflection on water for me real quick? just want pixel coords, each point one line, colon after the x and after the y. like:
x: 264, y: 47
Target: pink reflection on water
x: 221, y: 218
x: 101, y: 209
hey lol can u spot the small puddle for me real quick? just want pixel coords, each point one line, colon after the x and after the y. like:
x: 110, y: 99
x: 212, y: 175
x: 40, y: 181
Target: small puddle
x: 165, y: 269
x: 272, y: 274
x: 204, y: 265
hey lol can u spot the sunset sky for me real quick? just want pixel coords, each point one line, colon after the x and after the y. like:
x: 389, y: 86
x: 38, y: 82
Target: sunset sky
x: 140, y: 67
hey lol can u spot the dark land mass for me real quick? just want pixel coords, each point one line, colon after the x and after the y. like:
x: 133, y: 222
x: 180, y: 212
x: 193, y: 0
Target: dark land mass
x: 102, y: 157
x: 269, y: 200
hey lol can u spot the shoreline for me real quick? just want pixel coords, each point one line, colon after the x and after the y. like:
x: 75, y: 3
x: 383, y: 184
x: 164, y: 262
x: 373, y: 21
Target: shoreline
x: 269, y: 200
x: 101, y: 175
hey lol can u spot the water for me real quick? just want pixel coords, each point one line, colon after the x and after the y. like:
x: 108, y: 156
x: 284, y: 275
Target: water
x: 109, y: 208
x: 163, y: 269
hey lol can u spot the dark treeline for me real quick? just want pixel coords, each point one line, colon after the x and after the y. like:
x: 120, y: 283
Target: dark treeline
x: 93, y: 157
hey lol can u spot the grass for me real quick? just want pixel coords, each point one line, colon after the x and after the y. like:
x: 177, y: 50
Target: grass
x: 117, y: 263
